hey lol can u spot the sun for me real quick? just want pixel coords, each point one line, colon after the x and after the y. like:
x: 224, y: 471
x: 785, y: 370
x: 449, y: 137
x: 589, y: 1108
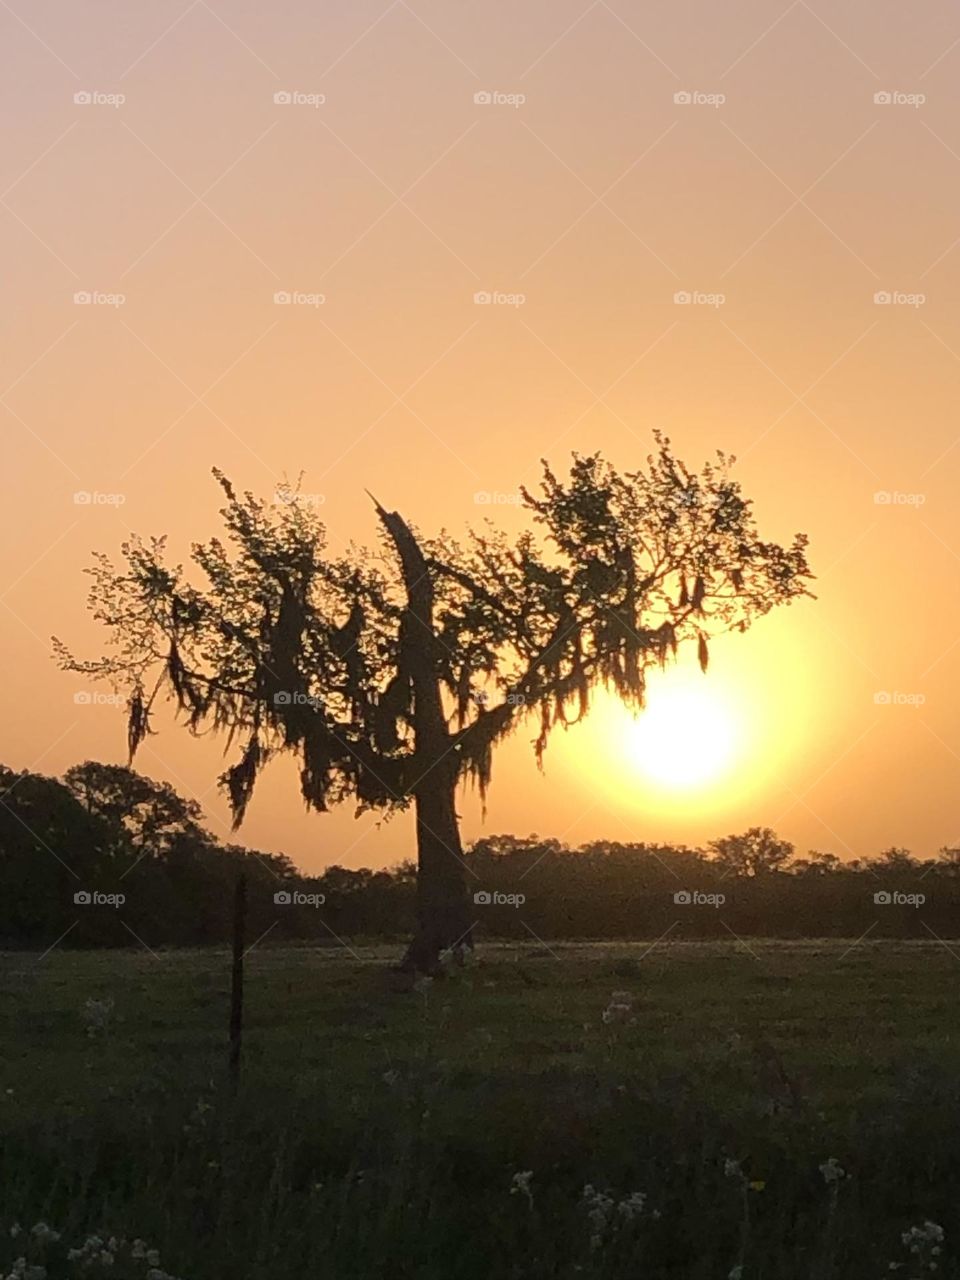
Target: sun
x: 689, y: 734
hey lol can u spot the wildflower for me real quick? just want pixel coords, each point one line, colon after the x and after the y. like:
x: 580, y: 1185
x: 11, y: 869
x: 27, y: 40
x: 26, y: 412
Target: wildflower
x: 520, y: 1185
x: 391, y: 1077
x: 731, y: 1169
x: 606, y: 1214
x: 923, y: 1243
x: 832, y: 1171
x: 43, y: 1233
x: 632, y: 1207
x: 736, y: 1273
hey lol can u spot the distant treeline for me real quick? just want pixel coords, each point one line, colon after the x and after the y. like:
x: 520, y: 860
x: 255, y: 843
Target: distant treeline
x: 107, y: 857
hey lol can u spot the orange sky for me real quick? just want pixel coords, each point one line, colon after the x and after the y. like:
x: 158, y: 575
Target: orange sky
x: 585, y: 188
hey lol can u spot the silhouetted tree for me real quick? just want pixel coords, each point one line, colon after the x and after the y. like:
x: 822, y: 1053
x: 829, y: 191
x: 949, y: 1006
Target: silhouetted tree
x: 753, y: 853
x: 392, y: 678
x: 50, y: 848
x: 150, y: 815
x: 894, y: 860
x: 817, y: 863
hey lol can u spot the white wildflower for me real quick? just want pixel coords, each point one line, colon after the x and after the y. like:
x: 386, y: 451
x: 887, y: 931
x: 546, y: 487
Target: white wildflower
x: 520, y: 1185
x: 42, y: 1232
x: 832, y: 1171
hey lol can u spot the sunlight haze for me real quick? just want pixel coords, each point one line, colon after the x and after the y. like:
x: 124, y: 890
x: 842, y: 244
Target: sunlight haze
x: 465, y: 238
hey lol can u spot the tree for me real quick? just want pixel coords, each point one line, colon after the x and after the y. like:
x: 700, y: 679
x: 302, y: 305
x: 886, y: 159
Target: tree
x: 50, y: 848
x: 391, y: 675
x: 818, y: 863
x: 753, y: 853
x: 148, y: 816
x: 894, y: 860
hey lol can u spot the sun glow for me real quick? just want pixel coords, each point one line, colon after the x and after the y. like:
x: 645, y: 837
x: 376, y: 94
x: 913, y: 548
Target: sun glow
x: 689, y: 735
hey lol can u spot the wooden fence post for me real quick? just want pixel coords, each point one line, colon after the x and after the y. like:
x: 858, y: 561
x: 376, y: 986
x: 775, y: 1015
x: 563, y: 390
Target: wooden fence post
x: 236, y: 984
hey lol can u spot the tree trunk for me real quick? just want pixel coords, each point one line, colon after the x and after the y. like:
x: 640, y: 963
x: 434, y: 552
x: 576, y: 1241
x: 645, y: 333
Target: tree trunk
x: 444, y: 919
x: 443, y: 916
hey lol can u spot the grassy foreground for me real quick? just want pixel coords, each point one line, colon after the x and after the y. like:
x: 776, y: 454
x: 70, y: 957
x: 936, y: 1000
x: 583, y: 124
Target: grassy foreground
x: 451, y: 1131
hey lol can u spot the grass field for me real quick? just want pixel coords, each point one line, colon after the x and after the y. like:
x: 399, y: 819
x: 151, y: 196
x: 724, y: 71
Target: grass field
x: 451, y: 1131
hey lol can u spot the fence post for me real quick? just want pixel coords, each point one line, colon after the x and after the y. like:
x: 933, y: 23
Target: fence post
x: 236, y: 984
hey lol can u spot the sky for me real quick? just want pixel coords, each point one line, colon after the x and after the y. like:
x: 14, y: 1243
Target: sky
x: 253, y: 237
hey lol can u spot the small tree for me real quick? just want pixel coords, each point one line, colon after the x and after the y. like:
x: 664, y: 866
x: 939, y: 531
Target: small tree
x: 753, y: 853
x: 391, y: 676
